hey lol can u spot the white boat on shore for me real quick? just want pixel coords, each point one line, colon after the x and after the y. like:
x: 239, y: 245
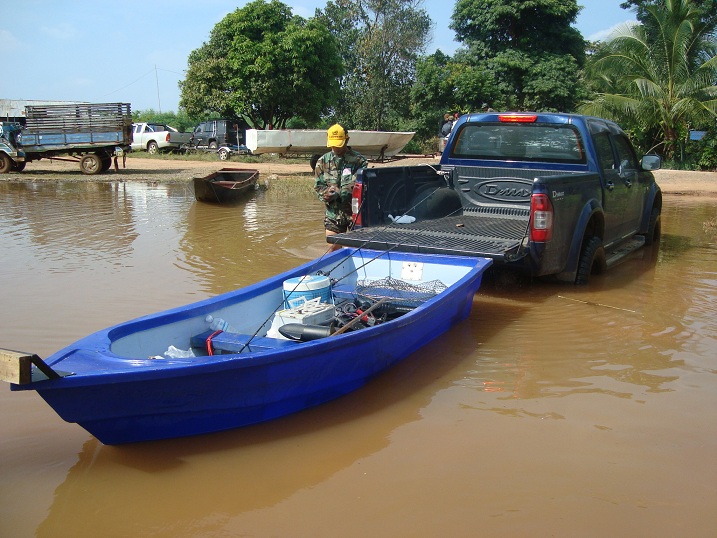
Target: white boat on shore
x: 374, y: 145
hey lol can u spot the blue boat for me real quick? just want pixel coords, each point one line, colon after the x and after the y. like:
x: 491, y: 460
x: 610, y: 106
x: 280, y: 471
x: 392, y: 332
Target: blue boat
x: 170, y: 374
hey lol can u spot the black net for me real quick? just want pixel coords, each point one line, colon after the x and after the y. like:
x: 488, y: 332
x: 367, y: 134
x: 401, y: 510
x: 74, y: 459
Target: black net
x: 399, y: 291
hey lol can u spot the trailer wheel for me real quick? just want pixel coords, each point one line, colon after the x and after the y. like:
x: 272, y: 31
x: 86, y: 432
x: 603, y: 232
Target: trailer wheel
x: 5, y: 163
x: 152, y: 147
x: 91, y: 164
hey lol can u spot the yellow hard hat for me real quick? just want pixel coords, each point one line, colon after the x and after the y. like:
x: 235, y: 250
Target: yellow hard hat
x: 337, y: 136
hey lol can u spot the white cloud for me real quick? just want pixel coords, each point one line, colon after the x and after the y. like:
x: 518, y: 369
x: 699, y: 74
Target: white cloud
x: 61, y: 31
x: 9, y: 41
x: 603, y: 35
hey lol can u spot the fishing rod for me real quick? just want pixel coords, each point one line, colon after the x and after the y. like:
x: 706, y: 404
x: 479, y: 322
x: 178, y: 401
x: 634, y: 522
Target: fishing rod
x: 443, y: 173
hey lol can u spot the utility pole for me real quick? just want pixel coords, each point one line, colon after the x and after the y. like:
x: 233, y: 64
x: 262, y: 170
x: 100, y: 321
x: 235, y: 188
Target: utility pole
x: 156, y: 77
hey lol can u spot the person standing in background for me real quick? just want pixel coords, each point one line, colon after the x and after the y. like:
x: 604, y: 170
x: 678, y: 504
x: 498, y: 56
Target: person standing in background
x: 335, y: 174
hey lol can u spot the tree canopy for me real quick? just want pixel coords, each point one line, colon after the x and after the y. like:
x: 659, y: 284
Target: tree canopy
x: 264, y: 65
x: 380, y: 41
x: 530, y: 47
x: 660, y: 75
x: 705, y: 9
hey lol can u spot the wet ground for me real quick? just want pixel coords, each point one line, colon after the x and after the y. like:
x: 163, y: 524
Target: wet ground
x: 552, y: 411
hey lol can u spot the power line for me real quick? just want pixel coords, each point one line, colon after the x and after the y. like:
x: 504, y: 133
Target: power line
x: 130, y: 84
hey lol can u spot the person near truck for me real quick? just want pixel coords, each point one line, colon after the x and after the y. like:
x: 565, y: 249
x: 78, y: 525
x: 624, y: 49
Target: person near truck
x: 446, y: 125
x: 335, y: 174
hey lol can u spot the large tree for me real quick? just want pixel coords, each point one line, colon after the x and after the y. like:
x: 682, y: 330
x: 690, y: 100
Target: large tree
x: 380, y: 41
x: 530, y: 47
x: 264, y: 65
x: 660, y: 75
x: 706, y: 9
x: 448, y: 84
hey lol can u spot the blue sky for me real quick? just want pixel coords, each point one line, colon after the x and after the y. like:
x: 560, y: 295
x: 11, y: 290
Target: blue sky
x: 136, y: 51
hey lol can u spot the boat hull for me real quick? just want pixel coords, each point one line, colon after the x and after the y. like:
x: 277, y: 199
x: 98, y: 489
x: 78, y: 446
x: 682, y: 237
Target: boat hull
x: 225, y: 186
x: 370, y: 144
x: 120, y: 396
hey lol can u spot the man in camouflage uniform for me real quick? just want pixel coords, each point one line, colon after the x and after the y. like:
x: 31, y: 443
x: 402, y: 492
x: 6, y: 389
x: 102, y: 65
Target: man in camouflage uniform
x: 335, y: 176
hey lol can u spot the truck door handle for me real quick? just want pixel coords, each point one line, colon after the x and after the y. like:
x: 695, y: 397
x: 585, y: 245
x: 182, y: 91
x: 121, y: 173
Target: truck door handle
x: 610, y: 186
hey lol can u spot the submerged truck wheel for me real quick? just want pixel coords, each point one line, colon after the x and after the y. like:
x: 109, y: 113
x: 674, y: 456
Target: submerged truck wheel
x: 91, y: 164
x: 592, y: 260
x: 653, y: 230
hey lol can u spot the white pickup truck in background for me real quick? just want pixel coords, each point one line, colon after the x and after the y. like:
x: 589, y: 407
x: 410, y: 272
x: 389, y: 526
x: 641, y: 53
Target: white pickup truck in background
x: 156, y: 137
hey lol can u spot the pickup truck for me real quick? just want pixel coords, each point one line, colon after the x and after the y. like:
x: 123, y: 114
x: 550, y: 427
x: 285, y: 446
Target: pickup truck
x: 156, y: 137
x: 550, y: 194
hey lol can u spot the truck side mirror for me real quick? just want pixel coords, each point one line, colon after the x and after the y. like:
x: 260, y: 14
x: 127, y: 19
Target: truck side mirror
x: 651, y: 162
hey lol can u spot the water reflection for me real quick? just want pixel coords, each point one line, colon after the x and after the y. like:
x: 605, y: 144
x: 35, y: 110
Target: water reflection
x: 243, y: 470
x: 632, y: 331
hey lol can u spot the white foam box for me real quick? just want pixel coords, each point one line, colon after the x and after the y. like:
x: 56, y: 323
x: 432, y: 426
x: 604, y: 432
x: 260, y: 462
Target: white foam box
x: 310, y: 313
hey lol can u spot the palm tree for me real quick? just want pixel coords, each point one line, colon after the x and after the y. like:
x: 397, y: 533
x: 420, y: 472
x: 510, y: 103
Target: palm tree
x: 660, y: 74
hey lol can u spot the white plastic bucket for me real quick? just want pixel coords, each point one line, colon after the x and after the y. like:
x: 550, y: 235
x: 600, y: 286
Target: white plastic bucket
x: 307, y: 286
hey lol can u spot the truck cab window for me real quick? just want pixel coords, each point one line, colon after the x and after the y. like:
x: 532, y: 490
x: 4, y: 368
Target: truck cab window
x: 625, y: 153
x: 604, y: 151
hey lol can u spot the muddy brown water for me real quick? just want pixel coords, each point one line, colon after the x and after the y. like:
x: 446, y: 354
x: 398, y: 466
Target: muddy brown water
x: 552, y: 411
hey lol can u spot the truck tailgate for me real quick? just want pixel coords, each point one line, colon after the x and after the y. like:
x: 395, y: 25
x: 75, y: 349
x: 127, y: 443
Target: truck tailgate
x: 472, y: 234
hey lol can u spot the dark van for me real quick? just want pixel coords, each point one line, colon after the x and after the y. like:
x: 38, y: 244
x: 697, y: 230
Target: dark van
x: 217, y: 133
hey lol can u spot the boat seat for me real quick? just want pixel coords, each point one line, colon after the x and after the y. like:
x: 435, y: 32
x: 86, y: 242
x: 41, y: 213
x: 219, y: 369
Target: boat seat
x: 234, y: 342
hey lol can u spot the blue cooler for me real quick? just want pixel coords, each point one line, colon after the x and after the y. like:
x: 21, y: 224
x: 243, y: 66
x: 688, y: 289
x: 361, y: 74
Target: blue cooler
x: 307, y: 286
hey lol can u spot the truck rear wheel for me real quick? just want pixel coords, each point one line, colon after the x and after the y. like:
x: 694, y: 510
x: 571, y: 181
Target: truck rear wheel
x: 314, y: 159
x: 106, y: 163
x: 18, y: 167
x: 592, y: 260
x: 5, y: 163
x: 152, y: 148
x: 90, y: 164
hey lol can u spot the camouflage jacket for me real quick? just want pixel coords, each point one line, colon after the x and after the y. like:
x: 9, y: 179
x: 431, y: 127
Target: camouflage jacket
x: 335, y: 177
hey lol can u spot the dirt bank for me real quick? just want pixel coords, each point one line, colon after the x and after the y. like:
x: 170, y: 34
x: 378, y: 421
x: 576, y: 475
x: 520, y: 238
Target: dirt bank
x: 178, y: 170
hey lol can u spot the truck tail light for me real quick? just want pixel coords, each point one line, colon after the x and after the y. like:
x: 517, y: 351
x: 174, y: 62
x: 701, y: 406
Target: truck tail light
x: 541, y: 218
x: 517, y: 118
x: 356, y: 202
x: 167, y: 136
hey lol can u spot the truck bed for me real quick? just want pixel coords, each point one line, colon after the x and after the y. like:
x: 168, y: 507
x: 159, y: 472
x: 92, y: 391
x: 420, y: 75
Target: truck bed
x: 490, y: 219
x: 76, y: 126
x: 473, y: 233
